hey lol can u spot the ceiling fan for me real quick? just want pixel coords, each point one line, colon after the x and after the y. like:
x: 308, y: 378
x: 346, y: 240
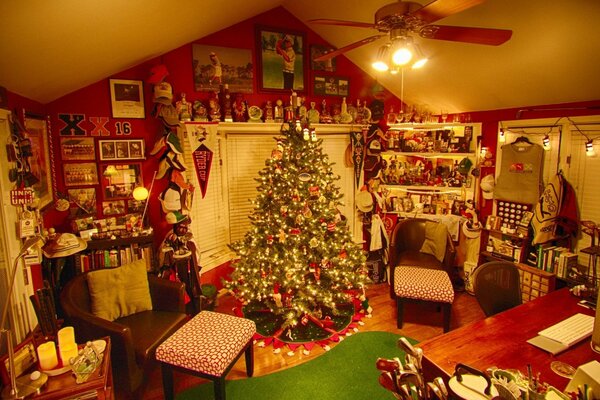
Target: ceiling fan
x: 398, y: 20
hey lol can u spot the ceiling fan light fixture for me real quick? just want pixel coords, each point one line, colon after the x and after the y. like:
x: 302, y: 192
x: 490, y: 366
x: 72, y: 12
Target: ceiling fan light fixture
x: 421, y: 59
x: 381, y: 61
x: 401, y: 50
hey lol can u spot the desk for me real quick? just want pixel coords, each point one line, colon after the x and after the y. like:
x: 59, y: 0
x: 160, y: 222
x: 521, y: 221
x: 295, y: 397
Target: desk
x: 99, y: 384
x: 500, y: 341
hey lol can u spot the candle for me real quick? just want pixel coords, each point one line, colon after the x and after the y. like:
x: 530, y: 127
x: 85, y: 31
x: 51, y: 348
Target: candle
x: 68, y: 351
x: 66, y: 336
x: 47, y: 356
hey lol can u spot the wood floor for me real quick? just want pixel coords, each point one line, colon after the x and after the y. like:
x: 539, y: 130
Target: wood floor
x: 421, y: 321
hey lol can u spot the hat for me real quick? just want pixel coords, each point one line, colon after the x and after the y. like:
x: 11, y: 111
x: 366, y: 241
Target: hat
x: 176, y: 217
x: 63, y: 245
x: 374, y: 147
x: 364, y: 201
x: 487, y: 186
x: 163, y: 93
x: 170, y: 200
x: 464, y: 166
x: 158, y: 73
x: 168, y: 114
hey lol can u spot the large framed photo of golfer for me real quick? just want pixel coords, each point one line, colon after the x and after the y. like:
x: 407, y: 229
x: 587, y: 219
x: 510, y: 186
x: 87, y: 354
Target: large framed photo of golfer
x: 281, y: 59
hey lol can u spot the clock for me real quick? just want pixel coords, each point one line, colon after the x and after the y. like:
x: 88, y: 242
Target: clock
x: 255, y: 113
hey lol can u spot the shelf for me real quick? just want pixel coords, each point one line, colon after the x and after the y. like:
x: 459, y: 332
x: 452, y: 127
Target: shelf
x: 430, y: 125
x: 101, y: 244
x: 426, y: 154
x: 511, y: 235
x: 427, y: 189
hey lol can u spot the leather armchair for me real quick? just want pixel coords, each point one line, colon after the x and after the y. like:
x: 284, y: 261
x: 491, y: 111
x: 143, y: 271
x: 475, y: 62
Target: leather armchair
x: 134, y: 338
x: 407, y: 239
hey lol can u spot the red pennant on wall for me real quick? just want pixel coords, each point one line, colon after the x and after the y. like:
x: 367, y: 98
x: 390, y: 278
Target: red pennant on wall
x: 202, y: 161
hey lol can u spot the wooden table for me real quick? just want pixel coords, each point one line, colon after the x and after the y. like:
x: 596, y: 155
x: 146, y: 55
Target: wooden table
x: 98, y: 386
x: 501, y: 341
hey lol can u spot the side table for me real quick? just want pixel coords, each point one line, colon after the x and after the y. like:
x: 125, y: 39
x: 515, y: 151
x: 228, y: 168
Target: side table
x: 98, y: 386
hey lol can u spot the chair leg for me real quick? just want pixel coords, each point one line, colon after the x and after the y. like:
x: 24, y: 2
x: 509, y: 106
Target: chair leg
x: 249, y: 354
x: 446, y: 310
x: 399, y: 312
x: 219, y: 386
x: 167, y: 379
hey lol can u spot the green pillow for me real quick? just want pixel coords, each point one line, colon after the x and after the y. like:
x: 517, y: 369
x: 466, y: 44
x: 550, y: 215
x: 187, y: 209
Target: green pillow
x: 435, y: 240
x: 119, y: 292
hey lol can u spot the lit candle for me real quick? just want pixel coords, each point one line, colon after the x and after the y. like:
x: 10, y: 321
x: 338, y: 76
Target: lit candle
x: 68, y: 351
x: 66, y: 336
x: 47, y: 356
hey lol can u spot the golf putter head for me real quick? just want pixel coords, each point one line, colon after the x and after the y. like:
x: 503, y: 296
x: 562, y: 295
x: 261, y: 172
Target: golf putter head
x: 439, y: 382
x: 434, y: 392
x: 408, y: 348
x: 387, y: 381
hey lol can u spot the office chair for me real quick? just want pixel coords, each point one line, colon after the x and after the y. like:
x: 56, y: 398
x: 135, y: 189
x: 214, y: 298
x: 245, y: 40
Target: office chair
x: 497, y: 286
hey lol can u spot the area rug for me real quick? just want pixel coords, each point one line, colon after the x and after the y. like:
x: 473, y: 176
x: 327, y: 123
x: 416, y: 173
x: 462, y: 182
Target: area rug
x: 347, y: 371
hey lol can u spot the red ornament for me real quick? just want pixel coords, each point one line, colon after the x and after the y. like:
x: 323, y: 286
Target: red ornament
x: 295, y: 231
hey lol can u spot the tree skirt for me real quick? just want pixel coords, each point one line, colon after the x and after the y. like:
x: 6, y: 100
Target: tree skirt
x: 310, y: 331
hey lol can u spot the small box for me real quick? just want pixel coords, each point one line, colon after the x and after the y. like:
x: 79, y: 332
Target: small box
x: 586, y: 374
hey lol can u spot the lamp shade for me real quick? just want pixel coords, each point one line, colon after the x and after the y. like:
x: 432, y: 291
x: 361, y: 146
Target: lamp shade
x: 140, y: 193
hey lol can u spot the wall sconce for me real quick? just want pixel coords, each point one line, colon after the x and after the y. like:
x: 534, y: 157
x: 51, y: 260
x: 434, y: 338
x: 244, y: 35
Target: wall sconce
x: 546, y: 142
x: 589, y: 148
x: 501, y: 136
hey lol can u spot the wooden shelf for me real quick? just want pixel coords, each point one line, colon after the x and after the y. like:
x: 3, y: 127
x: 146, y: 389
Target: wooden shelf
x: 511, y: 235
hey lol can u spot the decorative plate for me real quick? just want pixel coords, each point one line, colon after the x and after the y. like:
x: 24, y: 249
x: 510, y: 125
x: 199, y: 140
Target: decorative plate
x: 255, y: 113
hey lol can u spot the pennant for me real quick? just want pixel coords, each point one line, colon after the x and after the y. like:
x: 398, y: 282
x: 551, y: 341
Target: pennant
x: 202, y: 157
x: 358, y: 154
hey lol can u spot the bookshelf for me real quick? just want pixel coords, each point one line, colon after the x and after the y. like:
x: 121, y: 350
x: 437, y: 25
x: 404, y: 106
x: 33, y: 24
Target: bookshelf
x: 112, y: 253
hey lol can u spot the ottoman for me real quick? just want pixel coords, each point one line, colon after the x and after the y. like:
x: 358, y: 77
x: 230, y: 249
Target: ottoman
x: 423, y: 284
x: 207, y: 346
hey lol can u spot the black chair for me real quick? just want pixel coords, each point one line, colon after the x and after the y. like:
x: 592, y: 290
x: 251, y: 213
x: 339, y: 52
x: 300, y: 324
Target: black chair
x: 497, y: 286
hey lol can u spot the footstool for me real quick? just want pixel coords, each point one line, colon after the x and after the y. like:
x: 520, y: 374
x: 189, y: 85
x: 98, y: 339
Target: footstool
x: 431, y: 285
x: 208, y: 346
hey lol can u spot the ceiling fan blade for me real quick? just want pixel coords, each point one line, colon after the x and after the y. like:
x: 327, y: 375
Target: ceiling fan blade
x: 439, y: 9
x: 488, y: 36
x: 340, y: 22
x: 349, y: 47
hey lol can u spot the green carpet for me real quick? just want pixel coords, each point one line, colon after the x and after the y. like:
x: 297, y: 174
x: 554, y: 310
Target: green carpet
x: 347, y: 371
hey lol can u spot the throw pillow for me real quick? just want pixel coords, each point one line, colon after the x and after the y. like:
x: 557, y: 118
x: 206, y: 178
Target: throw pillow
x: 435, y: 240
x: 119, y: 292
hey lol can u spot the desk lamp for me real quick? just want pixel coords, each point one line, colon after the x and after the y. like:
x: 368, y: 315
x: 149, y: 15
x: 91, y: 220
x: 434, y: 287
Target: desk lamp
x: 18, y: 390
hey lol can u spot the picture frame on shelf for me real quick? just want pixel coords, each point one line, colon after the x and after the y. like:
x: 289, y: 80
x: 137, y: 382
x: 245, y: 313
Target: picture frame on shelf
x: 80, y: 174
x: 113, y: 207
x: 278, y: 51
x: 119, y: 180
x: 40, y: 162
x: 77, y: 149
x: 127, y: 98
x: 214, y: 66
x: 329, y: 85
x: 317, y: 50
x: 121, y: 149
x: 85, y: 200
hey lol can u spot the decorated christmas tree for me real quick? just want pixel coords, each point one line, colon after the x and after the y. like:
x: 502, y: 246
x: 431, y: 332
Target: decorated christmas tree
x: 299, y: 273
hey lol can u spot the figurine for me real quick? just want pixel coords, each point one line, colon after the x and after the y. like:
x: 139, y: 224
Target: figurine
x: 239, y: 109
x: 184, y: 109
x: 269, y: 117
x: 226, y: 108
x: 200, y: 112
x: 313, y: 114
x: 215, y: 108
x: 278, y: 110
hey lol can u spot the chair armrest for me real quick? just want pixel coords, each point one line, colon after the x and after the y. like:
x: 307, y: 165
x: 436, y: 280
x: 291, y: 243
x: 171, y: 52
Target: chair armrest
x: 450, y: 254
x: 167, y: 295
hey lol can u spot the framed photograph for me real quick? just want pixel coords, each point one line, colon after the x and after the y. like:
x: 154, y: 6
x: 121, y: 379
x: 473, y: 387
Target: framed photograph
x: 280, y: 59
x: 127, y: 98
x: 114, y: 207
x: 84, y: 199
x: 40, y: 161
x: 25, y: 357
x: 214, y: 66
x: 317, y: 50
x: 331, y: 86
x: 80, y: 174
x: 118, y: 181
x: 73, y: 148
x: 121, y: 149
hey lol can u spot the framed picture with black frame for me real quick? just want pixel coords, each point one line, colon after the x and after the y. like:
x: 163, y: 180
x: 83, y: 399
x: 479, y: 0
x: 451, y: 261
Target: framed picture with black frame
x: 329, y: 85
x: 127, y: 98
x: 280, y: 59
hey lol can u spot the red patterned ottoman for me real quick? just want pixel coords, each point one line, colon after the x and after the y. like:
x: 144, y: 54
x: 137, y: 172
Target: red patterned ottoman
x: 207, y: 346
x: 414, y: 283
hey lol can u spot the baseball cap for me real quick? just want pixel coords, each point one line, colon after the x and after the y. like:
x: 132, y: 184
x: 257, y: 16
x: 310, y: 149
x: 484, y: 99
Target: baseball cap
x: 158, y: 73
x: 170, y: 200
x: 163, y: 93
x: 487, y: 186
x: 464, y: 166
x: 364, y: 201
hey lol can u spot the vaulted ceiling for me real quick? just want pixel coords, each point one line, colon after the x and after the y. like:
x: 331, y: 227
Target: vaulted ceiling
x: 51, y: 48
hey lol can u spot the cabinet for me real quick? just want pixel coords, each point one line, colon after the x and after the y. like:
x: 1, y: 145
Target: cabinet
x: 111, y: 253
x: 426, y: 167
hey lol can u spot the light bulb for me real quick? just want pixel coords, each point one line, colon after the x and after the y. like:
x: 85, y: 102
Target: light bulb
x: 402, y: 56
x: 589, y: 148
x: 502, y: 136
x: 546, y: 142
x: 140, y: 193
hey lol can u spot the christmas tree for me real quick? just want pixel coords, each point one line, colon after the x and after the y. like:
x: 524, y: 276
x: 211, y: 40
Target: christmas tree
x: 299, y: 272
